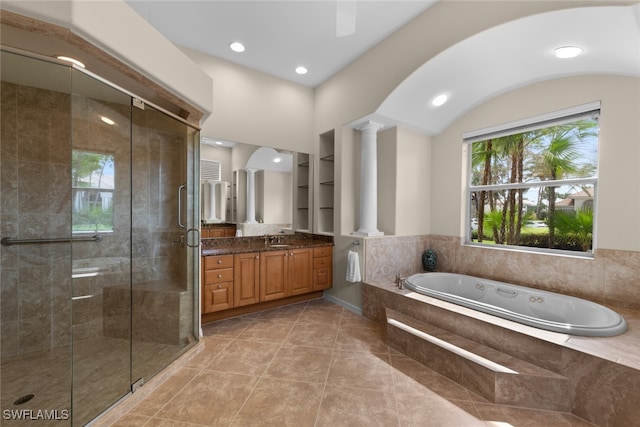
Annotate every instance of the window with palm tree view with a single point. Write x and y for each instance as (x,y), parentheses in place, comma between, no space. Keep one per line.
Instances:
(536,188)
(93,182)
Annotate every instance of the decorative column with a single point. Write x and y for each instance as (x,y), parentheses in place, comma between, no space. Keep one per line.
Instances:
(251,196)
(369,179)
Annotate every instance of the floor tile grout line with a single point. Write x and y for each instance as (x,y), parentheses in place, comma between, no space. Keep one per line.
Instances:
(395,388)
(172,420)
(200,371)
(174,395)
(265,369)
(326,378)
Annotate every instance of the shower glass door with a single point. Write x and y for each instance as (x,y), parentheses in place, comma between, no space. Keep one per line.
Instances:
(98,219)
(35,226)
(100,199)
(164,267)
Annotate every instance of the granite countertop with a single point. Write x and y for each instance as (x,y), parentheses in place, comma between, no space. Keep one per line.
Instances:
(235,245)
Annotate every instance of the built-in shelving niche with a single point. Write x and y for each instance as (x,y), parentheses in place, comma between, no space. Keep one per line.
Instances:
(303,192)
(326,183)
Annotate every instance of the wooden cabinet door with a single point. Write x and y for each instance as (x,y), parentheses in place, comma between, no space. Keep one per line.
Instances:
(217,296)
(300,278)
(246,279)
(274,267)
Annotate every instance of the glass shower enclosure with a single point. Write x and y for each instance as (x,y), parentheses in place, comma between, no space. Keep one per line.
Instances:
(99,257)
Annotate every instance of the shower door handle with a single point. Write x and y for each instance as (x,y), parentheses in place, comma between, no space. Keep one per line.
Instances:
(180,223)
(194,241)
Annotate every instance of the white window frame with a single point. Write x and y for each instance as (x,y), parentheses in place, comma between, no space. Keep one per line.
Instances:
(559,117)
(95,189)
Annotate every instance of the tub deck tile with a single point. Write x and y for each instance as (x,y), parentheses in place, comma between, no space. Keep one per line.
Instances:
(527,385)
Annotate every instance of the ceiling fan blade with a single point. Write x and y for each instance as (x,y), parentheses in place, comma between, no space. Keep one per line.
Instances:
(345,17)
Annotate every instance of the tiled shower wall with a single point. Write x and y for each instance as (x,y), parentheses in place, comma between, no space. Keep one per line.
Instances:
(111,256)
(37,130)
(611,277)
(36,196)
(158,170)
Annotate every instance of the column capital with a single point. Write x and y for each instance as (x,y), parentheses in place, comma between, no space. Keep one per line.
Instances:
(369,125)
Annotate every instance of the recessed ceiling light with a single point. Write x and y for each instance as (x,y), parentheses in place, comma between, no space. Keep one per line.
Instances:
(565,52)
(236,47)
(70,59)
(439,100)
(107,120)
(301,70)
(277,160)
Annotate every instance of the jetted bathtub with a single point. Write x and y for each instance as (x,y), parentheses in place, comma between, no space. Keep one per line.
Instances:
(532,307)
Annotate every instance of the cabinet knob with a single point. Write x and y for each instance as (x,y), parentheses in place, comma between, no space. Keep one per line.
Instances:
(219,276)
(257,256)
(219,286)
(219,261)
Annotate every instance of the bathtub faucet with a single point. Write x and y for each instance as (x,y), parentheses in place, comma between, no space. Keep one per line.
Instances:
(400,281)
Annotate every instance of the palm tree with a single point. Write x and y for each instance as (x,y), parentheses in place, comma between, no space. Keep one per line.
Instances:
(482,154)
(502,160)
(558,158)
(578,225)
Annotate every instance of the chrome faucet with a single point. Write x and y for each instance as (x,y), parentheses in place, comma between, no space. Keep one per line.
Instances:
(400,281)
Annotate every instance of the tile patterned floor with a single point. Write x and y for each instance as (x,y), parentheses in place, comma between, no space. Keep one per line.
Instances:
(316,364)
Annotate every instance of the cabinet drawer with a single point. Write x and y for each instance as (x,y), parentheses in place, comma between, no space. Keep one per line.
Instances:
(218,276)
(322,251)
(324,262)
(218,261)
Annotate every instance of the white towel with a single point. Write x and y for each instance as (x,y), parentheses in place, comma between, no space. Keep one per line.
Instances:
(353,267)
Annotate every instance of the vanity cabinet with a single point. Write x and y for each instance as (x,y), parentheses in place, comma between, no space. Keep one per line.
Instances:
(244,282)
(217,279)
(246,279)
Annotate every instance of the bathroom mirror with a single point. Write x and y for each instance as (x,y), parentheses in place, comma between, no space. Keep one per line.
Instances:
(281,186)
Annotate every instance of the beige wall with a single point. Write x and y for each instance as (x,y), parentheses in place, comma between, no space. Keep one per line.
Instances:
(255,108)
(274,196)
(387,176)
(413,192)
(619,158)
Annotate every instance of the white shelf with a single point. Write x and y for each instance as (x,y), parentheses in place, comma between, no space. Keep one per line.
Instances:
(326,178)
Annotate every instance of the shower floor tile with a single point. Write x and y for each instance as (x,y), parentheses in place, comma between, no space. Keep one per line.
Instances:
(97,382)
